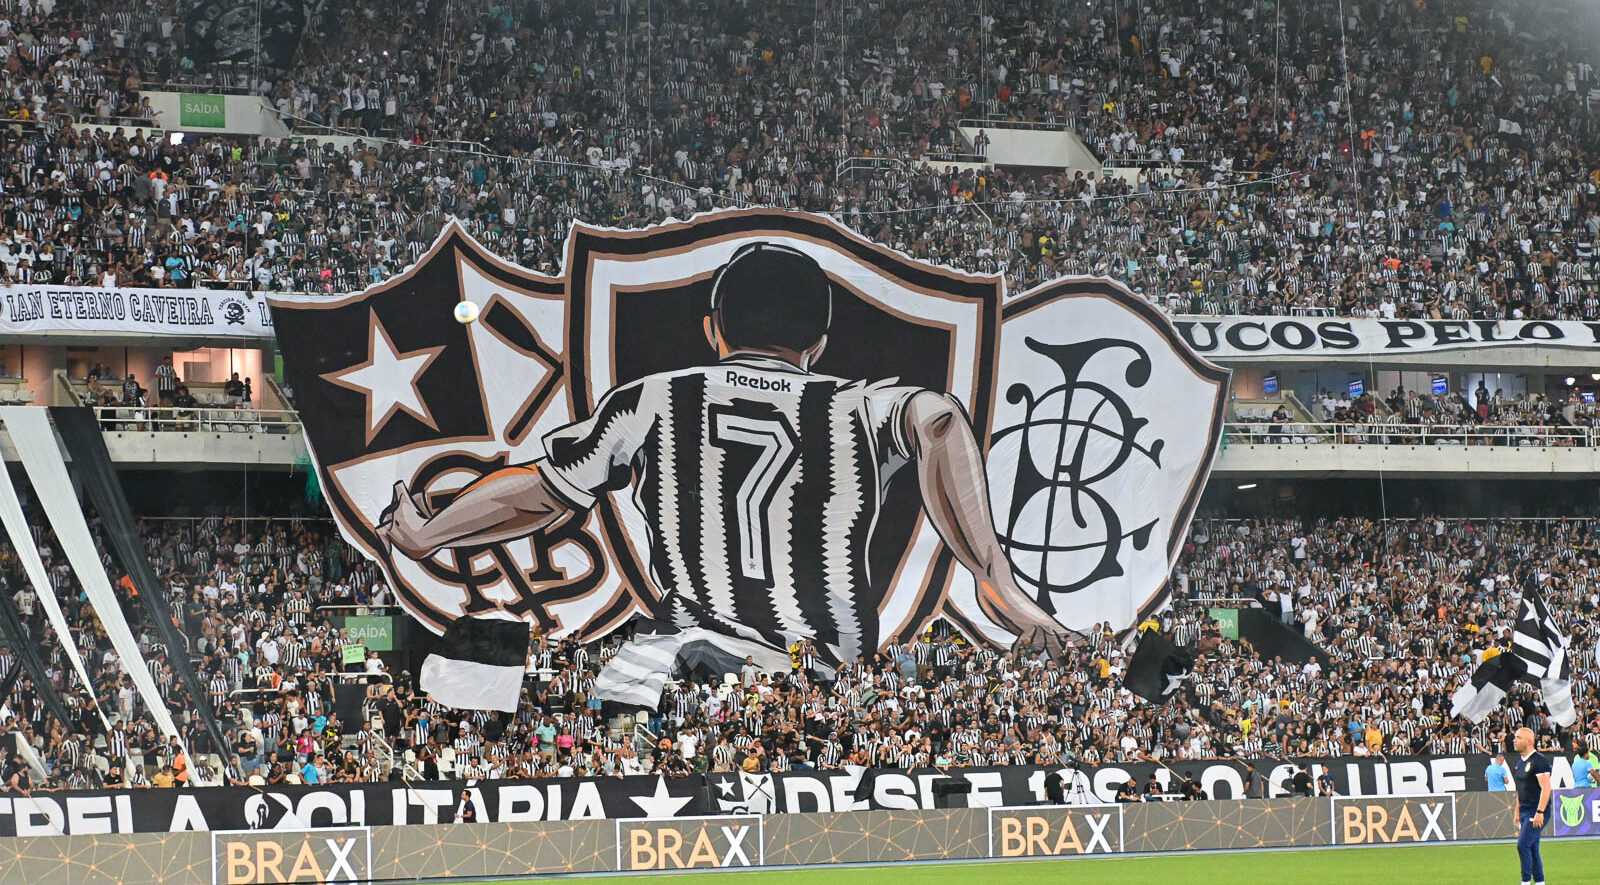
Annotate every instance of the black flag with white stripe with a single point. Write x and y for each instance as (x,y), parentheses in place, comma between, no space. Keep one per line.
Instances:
(1490,684)
(1540,644)
(479,664)
(1537,639)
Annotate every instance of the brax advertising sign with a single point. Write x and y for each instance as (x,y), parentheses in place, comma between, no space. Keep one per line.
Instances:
(540,848)
(1055,832)
(689,843)
(1389,819)
(327,855)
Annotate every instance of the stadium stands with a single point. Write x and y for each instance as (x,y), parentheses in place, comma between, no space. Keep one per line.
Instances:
(1248,172)
(1243,182)
(1400,606)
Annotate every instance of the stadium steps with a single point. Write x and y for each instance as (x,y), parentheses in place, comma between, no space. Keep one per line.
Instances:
(1297,409)
(1016,143)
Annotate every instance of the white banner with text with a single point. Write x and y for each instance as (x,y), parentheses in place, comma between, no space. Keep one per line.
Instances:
(1245,338)
(97,310)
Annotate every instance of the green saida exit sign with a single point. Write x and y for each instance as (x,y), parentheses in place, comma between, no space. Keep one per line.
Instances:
(202,110)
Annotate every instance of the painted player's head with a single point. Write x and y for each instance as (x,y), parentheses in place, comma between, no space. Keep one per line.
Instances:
(771,299)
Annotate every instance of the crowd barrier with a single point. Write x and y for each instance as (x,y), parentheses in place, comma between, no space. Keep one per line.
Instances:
(445,851)
(282,806)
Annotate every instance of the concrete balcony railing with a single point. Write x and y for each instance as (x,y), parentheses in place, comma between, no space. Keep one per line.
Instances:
(275,438)
(219,436)
(1418,450)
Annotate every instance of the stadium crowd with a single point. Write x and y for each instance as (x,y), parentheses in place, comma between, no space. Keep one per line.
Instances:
(1403,610)
(1263,174)
(1412,416)
(1497,409)
(1275,161)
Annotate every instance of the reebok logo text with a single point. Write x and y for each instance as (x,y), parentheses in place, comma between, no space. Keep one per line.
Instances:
(755,382)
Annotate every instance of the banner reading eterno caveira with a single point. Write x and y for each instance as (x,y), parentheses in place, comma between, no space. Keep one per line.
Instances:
(67,310)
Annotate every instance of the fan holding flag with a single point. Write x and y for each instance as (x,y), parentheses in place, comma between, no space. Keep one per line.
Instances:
(1159,667)
(1538,655)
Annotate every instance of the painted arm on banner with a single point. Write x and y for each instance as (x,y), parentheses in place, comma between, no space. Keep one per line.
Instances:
(584,460)
(512,502)
(955,493)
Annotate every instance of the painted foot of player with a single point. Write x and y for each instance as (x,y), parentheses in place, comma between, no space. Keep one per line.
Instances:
(1053,640)
(1015,611)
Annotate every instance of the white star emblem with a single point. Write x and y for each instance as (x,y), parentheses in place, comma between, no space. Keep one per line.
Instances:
(388,379)
(725,787)
(1175,681)
(661,804)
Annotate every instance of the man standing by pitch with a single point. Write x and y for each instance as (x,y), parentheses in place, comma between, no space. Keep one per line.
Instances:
(1531,770)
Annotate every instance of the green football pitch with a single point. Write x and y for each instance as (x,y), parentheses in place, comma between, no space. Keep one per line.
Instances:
(1566,863)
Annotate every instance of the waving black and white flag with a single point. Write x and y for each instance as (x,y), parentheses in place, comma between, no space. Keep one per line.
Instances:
(1159,668)
(1540,648)
(267,32)
(1489,685)
(479,664)
(1539,641)
(1538,656)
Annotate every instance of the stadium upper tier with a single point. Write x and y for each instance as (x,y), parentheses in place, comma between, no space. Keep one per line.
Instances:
(1447,171)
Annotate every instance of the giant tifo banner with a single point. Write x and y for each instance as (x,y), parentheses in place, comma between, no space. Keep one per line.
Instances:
(553,799)
(1238,339)
(733,424)
(91,309)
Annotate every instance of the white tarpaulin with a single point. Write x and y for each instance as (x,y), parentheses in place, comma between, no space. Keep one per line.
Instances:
(35,441)
(16,526)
